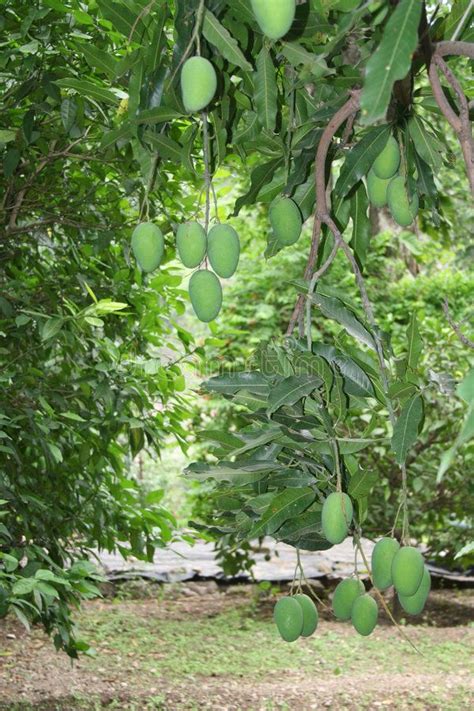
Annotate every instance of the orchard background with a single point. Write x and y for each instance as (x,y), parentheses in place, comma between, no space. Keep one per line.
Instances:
(342,356)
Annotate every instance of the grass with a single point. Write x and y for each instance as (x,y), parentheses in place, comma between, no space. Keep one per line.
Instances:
(231,644)
(183,653)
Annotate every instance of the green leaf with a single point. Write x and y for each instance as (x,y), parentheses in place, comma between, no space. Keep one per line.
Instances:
(51,328)
(361,228)
(335,309)
(120,16)
(116,134)
(24,586)
(97,58)
(6,136)
(405,431)
(158,114)
(266,90)
(68,113)
(290,390)
(238,473)
(285,505)
(391,60)
(360,159)
(165,146)
(356,381)
(361,484)
(426,144)
(89,89)
(260,176)
(415,343)
(257,439)
(220,37)
(231,383)
(465,389)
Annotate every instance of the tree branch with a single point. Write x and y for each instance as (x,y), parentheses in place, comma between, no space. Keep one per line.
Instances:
(347,111)
(455,326)
(459,122)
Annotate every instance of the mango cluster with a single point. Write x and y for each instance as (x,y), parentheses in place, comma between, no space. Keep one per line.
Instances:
(222,247)
(351,602)
(295,616)
(404,568)
(386,186)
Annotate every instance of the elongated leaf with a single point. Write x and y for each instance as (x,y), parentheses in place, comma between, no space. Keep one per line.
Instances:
(335,309)
(89,89)
(361,484)
(119,15)
(238,473)
(255,440)
(426,144)
(360,159)
(356,381)
(391,60)
(97,58)
(220,37)
(415,344)
(286,505)
(290,478)
(116,134)
(266,90)
(165,146)
(308,522)
(159,114)
(231,383)
(406,427)
(260,176)
(361,230)
(290,390)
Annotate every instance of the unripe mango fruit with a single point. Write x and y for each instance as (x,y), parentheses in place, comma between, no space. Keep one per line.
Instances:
(336,517)
(415,603)
(310,614)
(206,295)
(344,597)
(288,616)
(148,246)
(403,211)
(407,571)
(377,189)
(198,83)
(382,559)
(387,162)
(191,243)
(223,249)
(286,220)
(274,17)
(364,614)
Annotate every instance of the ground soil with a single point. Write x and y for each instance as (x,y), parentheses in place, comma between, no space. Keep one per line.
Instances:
(33,676)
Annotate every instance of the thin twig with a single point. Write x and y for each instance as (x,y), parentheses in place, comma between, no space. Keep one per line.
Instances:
(455,326)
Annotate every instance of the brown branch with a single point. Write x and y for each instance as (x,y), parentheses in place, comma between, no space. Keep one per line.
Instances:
(455,326)
(347,111)
(459,122)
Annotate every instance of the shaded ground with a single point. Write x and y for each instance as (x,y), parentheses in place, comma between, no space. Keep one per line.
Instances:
(204,647)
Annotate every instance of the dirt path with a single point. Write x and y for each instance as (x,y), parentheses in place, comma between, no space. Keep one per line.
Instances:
(209,649)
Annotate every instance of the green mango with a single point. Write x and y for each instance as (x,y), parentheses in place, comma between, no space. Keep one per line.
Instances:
(310,614)
(414,604)
(364,614)
(191,243)
(377,189)
(274,17)
(382,558)
(344,596)
(198,83)
(148,246)
(288,616)
(336,517)
(407,570)
(387,162)
(223,249)
(403,210)
(206,295)
(286,220)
